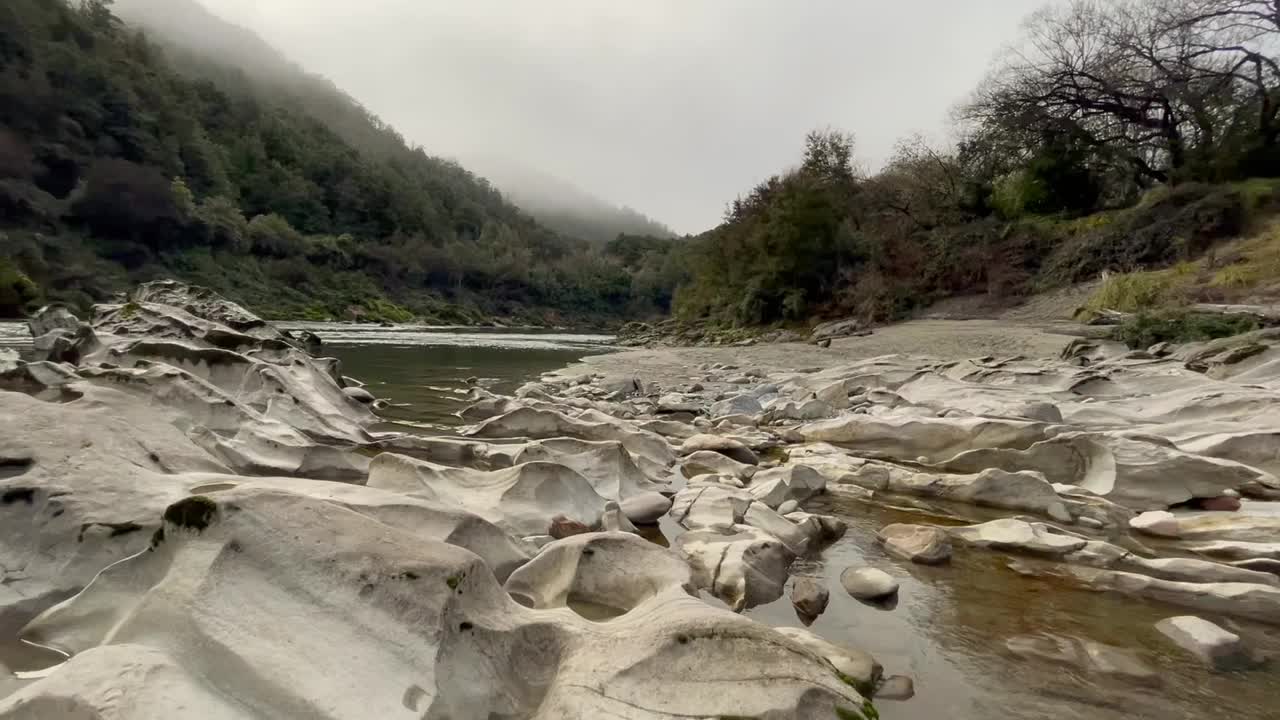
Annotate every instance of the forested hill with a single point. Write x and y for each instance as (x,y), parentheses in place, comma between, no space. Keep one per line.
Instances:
(1114,136)
(200,42)
(122,161)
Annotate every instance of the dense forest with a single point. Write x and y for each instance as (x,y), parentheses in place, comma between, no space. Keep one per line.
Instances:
(123,160)
(1116,135)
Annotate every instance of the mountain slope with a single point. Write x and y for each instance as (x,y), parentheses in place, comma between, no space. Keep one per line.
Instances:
(563,206)
(115,167)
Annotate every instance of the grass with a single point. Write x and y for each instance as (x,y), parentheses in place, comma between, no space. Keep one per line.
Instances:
(1245,270)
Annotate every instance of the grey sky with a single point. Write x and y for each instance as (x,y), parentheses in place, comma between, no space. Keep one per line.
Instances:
(670,106)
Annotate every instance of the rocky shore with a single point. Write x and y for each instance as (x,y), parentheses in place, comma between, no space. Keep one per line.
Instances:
(195,511)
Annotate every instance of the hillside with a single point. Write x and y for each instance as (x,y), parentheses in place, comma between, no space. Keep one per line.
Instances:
(1112,138)
(561,205)
(121,161)
(202,43)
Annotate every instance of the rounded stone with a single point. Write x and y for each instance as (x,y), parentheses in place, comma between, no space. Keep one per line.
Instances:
(868,583)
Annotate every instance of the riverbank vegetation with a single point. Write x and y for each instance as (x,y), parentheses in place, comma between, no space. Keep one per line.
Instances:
(1118,136)
(122,162)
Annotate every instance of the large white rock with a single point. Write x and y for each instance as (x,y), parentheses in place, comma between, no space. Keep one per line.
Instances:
(434,634)
(522,499)
(1012,535)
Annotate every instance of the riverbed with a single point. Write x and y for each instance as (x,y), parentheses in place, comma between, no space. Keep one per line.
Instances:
(949,627)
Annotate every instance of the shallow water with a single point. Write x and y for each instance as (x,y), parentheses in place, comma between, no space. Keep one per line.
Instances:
(423,371)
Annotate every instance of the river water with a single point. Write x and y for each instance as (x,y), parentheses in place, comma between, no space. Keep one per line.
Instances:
(949,627)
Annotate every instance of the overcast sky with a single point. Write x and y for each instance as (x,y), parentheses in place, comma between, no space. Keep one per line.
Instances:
(673,107)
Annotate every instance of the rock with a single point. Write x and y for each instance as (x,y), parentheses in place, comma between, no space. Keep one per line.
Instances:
(789,506)
(835,329)
(1214,646)
(744,404)
(854,666)
(704,462)
(809,597)
(1160,523)
(562,527)
(728,447)
(1084,655)
(1012,535)
(1039,411)
(1222,503)
(824,343)
(742,566)
(775,486)
(1238,550)
(409,607)
(614,520)
(918,543)
(646,508)
(360,395)
(896,687)
(677,404)
(597,568)
(868,583)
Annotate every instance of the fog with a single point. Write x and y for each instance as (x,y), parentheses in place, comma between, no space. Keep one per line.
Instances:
(673,107)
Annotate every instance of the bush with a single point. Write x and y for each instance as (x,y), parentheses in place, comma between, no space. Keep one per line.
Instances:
(1145,329)
(17,292)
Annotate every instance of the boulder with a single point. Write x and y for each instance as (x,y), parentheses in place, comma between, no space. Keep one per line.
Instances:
(1010,535)
(868,583)
(921,544)
(775,486)
(730,448)
(710,462)
(646,508)
(1218,648)
(809,597)
(854,667)
(745,404)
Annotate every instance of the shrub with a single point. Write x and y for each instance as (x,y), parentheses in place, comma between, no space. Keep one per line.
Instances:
(17,291)
(1147,329)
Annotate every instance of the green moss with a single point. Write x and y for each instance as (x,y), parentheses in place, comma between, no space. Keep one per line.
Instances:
(864,688)
(196,513)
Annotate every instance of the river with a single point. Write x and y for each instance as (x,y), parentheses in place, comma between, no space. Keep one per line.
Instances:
(949,627)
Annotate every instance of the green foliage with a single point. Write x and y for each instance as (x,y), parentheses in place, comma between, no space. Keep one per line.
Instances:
(1017,193)
(17,291)
(1130,292)
(265,184)
(1146,329)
